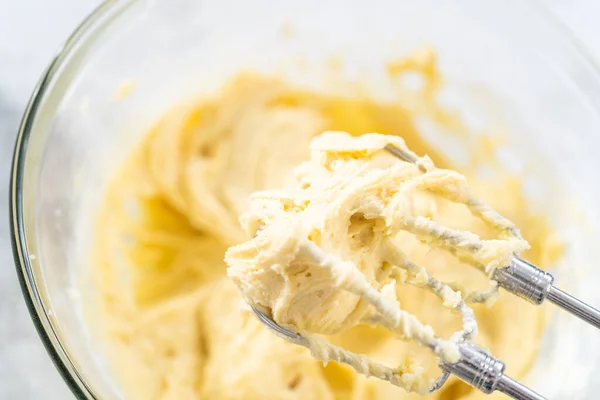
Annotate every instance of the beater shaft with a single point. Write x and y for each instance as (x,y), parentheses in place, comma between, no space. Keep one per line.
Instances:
(576,307)
(536,285)
(515,390)
(485,372)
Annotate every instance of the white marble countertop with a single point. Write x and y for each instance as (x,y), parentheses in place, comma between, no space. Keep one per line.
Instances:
(30,32)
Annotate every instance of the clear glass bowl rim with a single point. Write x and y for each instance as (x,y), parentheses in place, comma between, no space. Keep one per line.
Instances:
(77,383)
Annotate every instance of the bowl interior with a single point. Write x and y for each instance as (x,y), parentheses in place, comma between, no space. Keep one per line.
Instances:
(504,65)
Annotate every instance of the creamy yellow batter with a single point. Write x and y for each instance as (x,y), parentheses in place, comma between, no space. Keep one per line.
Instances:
(170,317)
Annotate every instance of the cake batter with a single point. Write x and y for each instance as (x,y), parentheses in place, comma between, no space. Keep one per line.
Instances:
(173,322)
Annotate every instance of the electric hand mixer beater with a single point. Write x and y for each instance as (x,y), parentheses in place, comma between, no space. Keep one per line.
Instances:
(474,365)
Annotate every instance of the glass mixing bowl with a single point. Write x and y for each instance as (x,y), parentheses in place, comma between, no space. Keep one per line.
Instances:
(502,61)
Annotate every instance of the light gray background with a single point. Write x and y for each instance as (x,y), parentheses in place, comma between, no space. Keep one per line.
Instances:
(30,33)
